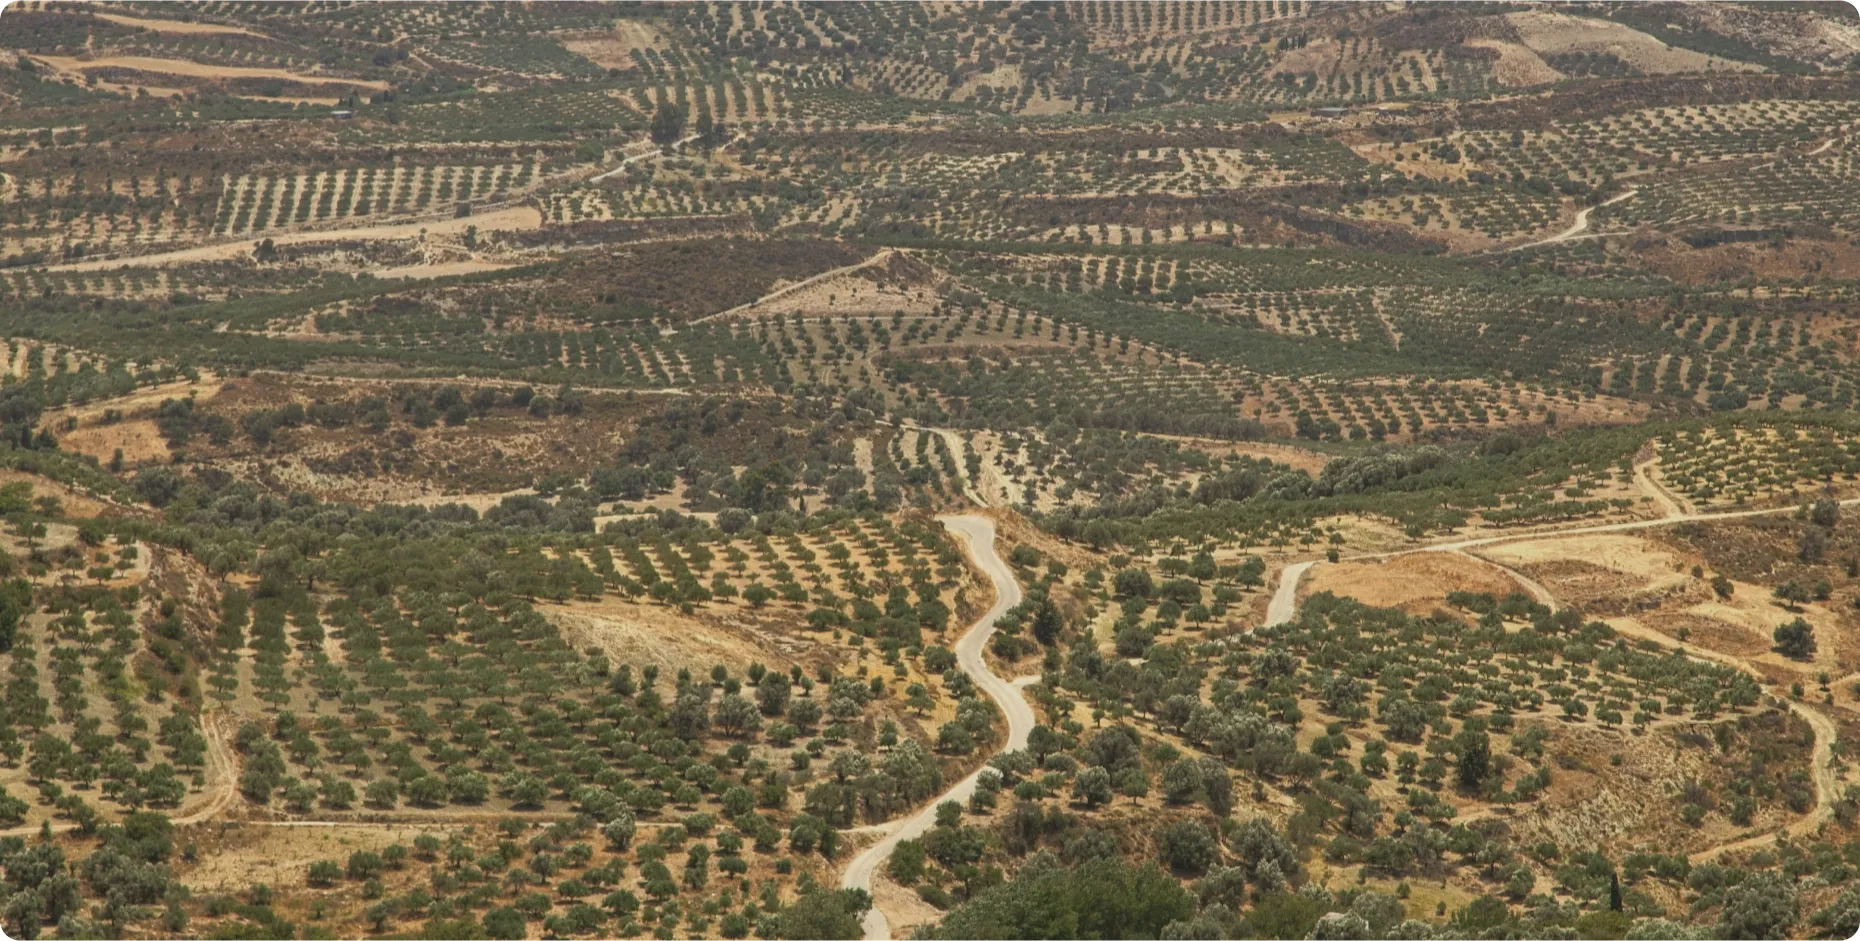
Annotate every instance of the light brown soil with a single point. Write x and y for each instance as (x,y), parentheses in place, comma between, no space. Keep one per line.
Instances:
(1620,574)
(440,269)
(1552,33)
(647,633)
(1745,625)
(1832,40)
(515,218)
(1649,565)
(1517,66)
(194,69)
(1295,457)
(1797,258)
(852,294)
(145,399)
(1416,583)
(1318,57)
(170,26)
(613,49)
(902,907)
(281,857)
(1593,802)
(1707,631)
(71,502)
(140,440)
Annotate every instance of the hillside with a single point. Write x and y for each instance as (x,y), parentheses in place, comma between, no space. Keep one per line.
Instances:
(1210,469)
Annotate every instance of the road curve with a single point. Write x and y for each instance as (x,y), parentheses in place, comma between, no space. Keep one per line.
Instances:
(221,770)
(883,255)
(1578,227)
(980,533)
(508,219)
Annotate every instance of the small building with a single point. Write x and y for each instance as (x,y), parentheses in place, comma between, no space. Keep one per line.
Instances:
(1330,112)
(342,114)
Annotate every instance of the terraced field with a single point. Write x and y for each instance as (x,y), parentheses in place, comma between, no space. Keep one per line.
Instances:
(1216,469)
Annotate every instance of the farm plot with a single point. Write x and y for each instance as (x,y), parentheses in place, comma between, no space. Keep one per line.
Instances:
(255,204)
(1815,191)
(1691,134)
(1734,464)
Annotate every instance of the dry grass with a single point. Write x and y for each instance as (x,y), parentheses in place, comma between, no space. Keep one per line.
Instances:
(644,633)
(1416,583)
(1552,33)
(192,69)
(614,48)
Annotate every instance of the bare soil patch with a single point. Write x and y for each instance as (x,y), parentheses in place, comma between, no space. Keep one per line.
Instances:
(139,440)
(514,218)
(1621,576)
(902,907)
(145,399)
(1416,583)
(614,48)
(643,633)
(193,69)
(1518,66)
(1292,456)
(1827,40)
(1593,802)
(1729,262)
(71,502)
(1553,33)
(1603,570)
(171,26)
(899,285)
(1706,631)
(492,456)
(281,856)
(440,269)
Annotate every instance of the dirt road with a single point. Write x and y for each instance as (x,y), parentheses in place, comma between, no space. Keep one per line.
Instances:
(1284,604)
(979,531)
(221,790)
(1580,226)
(192,69)
(1670,504)
(471,381)
(1629,526)
(1820,762)
(516,218)
(884,254)
(629,161)
(1827,787)
(172,26)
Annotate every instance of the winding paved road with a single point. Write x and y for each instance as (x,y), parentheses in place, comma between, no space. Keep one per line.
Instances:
(980,533)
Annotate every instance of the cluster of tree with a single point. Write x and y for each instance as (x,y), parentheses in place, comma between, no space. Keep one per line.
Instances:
(126,870)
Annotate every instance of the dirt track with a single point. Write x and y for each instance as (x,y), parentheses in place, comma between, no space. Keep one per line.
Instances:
(193,69)
(1284,601)
(516,218)
(883,255)
(222,785)
(171,26)
(1576,229)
